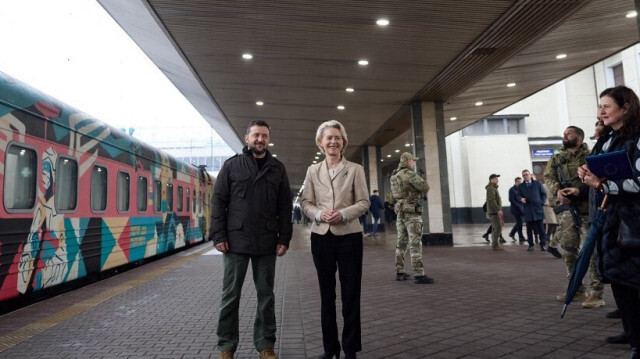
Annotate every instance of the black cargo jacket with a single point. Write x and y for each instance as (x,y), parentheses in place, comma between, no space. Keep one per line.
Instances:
(252,210)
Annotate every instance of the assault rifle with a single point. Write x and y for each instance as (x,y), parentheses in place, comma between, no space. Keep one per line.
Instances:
(571,206)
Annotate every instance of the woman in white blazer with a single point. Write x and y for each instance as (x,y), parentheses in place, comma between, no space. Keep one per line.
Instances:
(335,195)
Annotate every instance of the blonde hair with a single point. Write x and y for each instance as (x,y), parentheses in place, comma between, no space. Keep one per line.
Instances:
(331,124)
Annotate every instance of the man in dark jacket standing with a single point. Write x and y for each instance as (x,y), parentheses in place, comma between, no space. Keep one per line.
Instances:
(517,210)
(376,207)
(251,221)
(533,197)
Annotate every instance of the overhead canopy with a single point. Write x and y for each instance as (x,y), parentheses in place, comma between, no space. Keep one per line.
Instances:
(306,53)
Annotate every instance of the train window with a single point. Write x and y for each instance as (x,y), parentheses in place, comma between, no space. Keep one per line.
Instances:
(194,201)
(169,197)
(180,195)
(124,191)
(157,196)
(187,200)
(66,184)
(20,178)
(142,194)
(99,189)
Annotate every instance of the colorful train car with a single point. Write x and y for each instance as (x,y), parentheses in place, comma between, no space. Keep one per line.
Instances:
(79,197)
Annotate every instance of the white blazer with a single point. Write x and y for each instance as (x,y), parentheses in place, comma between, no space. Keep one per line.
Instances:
(346,190)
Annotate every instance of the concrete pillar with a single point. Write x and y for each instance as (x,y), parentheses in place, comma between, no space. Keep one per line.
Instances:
(428,133)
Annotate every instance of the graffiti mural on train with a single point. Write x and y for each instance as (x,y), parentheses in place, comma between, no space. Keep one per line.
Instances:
(80,197)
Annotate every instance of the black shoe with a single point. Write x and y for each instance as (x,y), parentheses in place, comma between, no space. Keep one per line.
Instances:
(513,238)
(349,355)
(336,353)
(423,279)
(502,240)
(554,252)
(486,237)
(617,339)
(542,248)
(402,276)
(614,314)
(530,249)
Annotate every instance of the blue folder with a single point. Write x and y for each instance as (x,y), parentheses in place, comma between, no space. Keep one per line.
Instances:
(611,165)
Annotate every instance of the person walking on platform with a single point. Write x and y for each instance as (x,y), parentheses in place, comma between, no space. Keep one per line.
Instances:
(532,195)
(335,194)
(550,222)
(251,221)
(376,208)
(494,211)
(561,177)
(409,189)
(517,210)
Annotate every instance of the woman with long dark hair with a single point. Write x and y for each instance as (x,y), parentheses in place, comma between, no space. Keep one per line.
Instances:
(618,250)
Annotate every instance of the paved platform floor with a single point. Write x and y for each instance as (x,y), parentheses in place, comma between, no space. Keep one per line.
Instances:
(484,304)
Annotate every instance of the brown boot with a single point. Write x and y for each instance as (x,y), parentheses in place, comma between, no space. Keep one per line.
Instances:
(593,301)
(225,354)
(267,353)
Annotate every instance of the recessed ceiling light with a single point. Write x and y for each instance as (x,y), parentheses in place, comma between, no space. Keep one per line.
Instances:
(407,145)
(363,62)
(259,103)
(315,162)
(349,89)
(561,56)
(317,158)
(274,155)
(247,56)
(271,144)
(382,160)
(340,107)
(631,14)
(388,156)
(318,153)
(453,118)
(397,151)
(479,103)
(511,84)
(382,22)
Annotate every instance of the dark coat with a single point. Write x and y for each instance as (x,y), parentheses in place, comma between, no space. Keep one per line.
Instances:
(517,208)
(618,258)
(376,206)
(252,210)
(536,198)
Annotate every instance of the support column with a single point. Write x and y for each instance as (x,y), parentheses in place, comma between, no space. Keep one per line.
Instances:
(428,133)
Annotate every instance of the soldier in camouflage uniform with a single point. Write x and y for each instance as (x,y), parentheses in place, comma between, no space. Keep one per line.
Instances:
(494,211)
(561,178)
(408,188)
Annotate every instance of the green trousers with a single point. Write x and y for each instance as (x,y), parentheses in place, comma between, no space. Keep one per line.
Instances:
(264,327)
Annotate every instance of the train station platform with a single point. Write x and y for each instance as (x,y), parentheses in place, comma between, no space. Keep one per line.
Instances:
(484,304)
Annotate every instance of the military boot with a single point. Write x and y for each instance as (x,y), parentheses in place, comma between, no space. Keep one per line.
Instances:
(267,353)
(225,354)
(593,301)
(578,296)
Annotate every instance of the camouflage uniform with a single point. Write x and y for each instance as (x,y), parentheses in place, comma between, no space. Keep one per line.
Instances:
(561,172)
(408,189)
(494,206)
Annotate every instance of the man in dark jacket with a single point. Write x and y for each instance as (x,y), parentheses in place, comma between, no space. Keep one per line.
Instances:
(517,210)
(376,207)
(251,221)
(533,197)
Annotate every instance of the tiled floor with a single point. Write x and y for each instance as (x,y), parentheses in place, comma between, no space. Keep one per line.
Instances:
(484,304)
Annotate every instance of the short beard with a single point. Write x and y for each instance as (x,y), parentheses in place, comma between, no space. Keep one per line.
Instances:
(569,143)
(257,151)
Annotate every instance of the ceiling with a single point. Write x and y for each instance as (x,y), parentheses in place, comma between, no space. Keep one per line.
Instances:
(306,53)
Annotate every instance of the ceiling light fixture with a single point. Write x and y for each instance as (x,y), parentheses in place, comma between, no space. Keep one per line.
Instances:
(511,84)
(382,22)
(363,62)
(340,107)
(247,56)
(271,144)
(274,155)
(453,118)
(259,103)
(407,145)
(561,56)
(631,14)
(397,151)
(349,89)
(479,103)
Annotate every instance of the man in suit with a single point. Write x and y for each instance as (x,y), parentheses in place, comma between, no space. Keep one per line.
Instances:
(533,197)
(517,210)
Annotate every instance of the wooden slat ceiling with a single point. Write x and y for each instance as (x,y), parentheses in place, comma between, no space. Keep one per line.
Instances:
(306,52)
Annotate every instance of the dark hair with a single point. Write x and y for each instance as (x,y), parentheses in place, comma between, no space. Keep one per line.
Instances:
(517,178)
(578,130)
(622,96)
(257,123)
